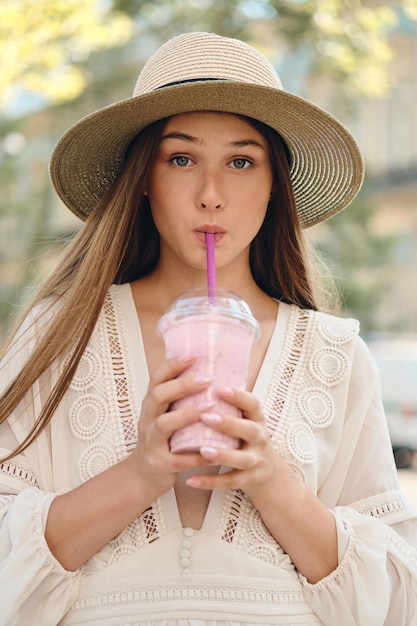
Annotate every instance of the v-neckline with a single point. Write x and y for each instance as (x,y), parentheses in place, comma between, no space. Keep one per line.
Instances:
(137,359)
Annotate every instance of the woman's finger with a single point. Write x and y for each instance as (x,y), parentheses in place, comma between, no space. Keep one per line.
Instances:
(170,368)
(170,382)
(246,401)
(174,420)
(249,431)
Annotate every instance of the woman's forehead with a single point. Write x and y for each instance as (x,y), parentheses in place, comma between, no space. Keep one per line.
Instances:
(212,121)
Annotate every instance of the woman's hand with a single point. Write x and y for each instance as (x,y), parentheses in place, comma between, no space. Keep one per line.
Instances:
(294,515)
(152,462)
(255,466)
(81,521)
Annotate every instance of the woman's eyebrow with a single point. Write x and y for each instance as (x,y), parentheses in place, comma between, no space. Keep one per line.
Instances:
(246,142)
(178,135)
(241,143)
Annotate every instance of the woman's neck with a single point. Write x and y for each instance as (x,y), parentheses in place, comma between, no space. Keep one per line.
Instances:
(163,286)
(154,294)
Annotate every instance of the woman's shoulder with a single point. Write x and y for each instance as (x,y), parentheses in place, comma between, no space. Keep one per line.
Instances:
(326,349)
(36,318)
(329,328)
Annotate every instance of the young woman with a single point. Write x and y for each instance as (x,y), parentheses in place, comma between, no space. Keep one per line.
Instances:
(101,524)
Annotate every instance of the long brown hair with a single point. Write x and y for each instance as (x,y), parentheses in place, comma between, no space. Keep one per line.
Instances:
(119,243)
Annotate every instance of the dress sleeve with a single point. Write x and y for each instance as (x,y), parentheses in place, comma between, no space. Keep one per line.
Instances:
(34,587)
(375,582)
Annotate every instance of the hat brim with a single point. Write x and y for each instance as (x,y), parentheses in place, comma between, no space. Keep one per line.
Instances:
(326,169)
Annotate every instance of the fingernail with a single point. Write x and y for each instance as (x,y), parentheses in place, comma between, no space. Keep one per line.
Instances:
(209,452)
(226,391)
(203,406)
(185,358)
(211,418)
(194,481)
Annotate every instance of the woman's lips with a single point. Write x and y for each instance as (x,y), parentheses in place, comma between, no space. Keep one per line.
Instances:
(217,230)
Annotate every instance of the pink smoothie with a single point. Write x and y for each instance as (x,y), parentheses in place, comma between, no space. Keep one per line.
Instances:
(221,339)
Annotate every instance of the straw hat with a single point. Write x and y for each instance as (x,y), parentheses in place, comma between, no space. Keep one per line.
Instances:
(204,71)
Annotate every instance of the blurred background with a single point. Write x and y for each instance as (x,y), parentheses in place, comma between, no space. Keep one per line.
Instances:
(62,59)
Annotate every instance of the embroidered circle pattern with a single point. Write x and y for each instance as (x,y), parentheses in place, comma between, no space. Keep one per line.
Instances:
(317,407)
(120,552)
(95,460)
(88,371)
(329,366)
(88,417)
(259,529)
(301,442)
(338,330)
(264,553)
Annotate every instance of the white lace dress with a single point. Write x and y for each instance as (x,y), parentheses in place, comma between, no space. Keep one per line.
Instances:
(320,393)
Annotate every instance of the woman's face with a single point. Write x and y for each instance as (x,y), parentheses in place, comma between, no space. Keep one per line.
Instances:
(212,173)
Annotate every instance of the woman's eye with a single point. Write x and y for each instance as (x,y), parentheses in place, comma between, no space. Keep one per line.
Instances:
(182,161)
(241,163)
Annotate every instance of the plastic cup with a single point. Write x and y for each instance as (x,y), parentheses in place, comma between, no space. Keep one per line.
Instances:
(219,332)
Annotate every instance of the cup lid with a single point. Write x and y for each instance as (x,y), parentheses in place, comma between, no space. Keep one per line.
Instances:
(197,301)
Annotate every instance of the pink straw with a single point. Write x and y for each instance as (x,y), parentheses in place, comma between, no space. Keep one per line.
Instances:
(211,267)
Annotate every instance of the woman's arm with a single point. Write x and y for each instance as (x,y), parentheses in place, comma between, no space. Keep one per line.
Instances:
(46,537)
(83,520)
(296,518)
(373,579)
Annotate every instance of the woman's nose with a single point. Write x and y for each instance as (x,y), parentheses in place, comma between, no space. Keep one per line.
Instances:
(211,195)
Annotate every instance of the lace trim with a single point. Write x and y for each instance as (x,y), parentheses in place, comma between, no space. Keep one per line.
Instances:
(88,371)
(299,400)
(19,472)
(282,377)
(329,366)
(149,526)
(127,413)
(96,459)
(242,525)
(338,331)
(190,593)
(386,508)
(104,409)
(104,416)
(88,416)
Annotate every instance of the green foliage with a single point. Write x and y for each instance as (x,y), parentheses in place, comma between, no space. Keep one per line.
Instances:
(347,39)
(344,39)
(46,50)
(54,47)
(45,43)
(358,257)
